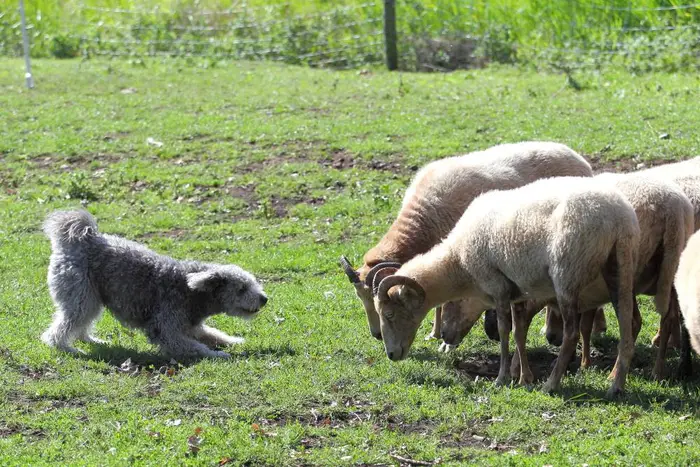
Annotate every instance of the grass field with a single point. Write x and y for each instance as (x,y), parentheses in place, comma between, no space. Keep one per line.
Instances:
(281,170)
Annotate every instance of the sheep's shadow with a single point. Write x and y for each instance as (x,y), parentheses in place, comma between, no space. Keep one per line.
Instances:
(542,359)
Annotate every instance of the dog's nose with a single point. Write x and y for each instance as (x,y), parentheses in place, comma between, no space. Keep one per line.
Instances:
(390,355)
(263,300)
(377,335)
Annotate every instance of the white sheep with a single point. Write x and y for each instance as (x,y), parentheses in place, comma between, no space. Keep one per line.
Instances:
(547,239)
(687,285)
(665,218)
(438,196)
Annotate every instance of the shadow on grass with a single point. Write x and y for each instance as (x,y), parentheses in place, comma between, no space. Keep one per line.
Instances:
(116,355)
(542,360)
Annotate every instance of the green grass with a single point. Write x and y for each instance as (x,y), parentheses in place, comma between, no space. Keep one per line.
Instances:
(641,35)
(281,170)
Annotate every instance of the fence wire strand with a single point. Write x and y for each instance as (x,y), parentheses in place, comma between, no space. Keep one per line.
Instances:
(439,35)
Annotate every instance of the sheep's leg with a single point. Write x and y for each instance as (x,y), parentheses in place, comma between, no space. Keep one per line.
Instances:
(504,325)
(599,324)
(685,365)
(620,286)
(531,309)
(636,326)
(669,318)
(587,320)
(569,313)
(437,324)
(520,328)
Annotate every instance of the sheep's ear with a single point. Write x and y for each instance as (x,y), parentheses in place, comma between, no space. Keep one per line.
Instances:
(402,290)
(408,295)
(204,281)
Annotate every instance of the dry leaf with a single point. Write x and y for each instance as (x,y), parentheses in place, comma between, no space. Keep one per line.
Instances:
(225,460)
(684,417)
(198,430)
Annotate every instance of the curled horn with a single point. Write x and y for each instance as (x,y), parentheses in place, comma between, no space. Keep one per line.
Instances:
(369,280)
(391,281)
(349,270)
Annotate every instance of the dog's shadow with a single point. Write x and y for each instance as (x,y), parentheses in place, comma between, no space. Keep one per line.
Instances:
(116,355)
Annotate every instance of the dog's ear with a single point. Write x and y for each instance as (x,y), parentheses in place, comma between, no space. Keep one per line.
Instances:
(204,281)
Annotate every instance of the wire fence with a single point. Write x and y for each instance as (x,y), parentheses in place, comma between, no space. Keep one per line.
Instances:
(641,35)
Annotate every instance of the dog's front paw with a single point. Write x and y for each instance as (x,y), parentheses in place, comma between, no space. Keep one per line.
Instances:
(93,340)
(234,340)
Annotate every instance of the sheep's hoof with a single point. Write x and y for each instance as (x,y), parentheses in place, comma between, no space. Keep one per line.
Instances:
(446,348)
(526,380)
(655,340)
(550,387)
(501,381)
(614,393)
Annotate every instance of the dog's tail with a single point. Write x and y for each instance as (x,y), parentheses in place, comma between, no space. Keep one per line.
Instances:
(70,227)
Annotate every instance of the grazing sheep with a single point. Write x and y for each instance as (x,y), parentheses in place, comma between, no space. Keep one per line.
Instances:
(440,193)
(687,283)
(686,176)
(548,239)
(665,218)
(666,222)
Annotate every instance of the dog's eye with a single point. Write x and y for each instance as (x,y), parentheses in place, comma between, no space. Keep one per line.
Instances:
(242,289)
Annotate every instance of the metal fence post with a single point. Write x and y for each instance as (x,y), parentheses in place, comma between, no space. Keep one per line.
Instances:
(25,40)
(392,56)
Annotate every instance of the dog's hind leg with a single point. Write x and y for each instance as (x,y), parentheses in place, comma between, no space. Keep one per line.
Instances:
(77,307)
(213,337)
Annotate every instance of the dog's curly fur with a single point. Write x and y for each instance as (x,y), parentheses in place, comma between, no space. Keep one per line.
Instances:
(166,298)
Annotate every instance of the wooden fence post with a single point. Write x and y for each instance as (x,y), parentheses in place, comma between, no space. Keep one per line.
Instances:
(392,56)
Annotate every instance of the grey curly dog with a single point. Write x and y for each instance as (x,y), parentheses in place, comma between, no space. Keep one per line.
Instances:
(166,298)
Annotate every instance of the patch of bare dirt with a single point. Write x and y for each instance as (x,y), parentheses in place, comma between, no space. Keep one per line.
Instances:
(172,233)
(486,366)
(44,372)
(114,136)
(343,160)
(79,161)
(624,165)
(13,429)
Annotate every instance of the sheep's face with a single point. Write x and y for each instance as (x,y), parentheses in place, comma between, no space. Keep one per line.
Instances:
(363,280)
(364,293)
(400,303)
(458,318)
(554,326)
